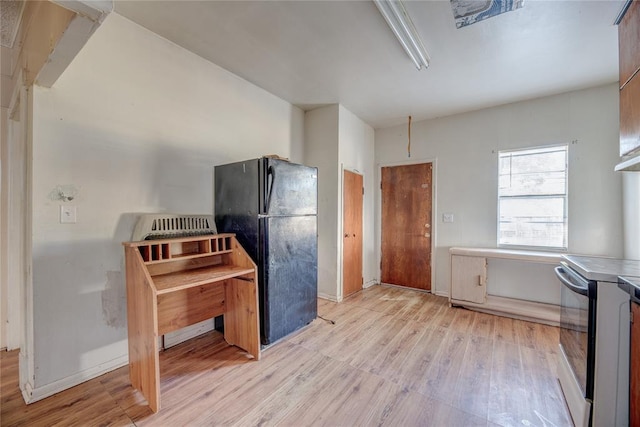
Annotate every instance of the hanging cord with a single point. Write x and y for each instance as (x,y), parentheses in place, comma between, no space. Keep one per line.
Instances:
(409,132)
(327,320)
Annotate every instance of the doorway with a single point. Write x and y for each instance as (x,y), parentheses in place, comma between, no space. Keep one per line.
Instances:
(406,225)
(352,197)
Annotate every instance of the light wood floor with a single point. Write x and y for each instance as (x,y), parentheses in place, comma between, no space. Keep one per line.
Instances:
(385,356)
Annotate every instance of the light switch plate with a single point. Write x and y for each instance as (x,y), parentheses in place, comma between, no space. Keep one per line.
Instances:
(68,214)
(447,217)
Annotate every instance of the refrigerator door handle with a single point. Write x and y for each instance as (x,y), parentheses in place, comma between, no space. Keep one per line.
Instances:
(271,176)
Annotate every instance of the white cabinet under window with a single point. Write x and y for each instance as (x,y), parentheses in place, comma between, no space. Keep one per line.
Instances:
(506,282)
(469,278)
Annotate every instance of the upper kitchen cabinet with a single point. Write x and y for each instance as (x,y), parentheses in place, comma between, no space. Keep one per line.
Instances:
(629,42)
(629,56)
(630,117)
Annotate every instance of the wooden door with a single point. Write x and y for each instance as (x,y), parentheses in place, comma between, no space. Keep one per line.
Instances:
(352,233)
(406,225)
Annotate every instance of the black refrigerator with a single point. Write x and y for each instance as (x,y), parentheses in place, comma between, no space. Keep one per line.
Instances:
(271,205)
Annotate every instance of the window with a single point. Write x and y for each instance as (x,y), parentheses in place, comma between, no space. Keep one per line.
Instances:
(532,197)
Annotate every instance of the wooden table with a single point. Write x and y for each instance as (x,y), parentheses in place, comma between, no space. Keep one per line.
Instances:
(173,283)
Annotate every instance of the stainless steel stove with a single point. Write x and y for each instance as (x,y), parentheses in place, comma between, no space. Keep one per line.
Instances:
(594,345)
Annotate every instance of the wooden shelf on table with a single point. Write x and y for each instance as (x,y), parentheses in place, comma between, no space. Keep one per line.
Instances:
(172,282)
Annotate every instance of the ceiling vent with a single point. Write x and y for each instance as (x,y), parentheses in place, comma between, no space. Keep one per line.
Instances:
(11,14)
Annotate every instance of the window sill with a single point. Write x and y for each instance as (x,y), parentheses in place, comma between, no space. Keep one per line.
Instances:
(515,254)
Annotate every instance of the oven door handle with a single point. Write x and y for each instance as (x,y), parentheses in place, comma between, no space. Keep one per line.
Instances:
(563,276)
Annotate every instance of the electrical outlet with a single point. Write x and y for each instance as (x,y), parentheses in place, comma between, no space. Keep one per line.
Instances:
(447,217)
(68,214)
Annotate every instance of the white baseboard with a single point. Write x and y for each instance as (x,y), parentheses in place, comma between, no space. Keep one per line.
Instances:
(530,311)
(25,386)
(329,297)
(192,331)
(27,392)
(370,284)
(31,394)
(334,298)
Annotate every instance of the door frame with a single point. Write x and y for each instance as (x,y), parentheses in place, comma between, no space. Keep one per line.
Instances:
(15,253)
(19,276)
(434,229)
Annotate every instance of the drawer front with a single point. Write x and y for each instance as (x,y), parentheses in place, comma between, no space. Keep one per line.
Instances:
(630,117)
(629,42)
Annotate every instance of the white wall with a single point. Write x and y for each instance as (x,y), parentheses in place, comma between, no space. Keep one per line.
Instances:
(356,153)
(135,124)
(321,151)
(336,139)
(631,205)
(466,148)
(525,280)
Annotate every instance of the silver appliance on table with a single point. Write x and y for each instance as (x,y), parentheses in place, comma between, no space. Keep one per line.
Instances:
(593,364)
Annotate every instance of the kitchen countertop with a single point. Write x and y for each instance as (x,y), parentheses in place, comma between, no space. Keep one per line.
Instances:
(521,255)
(602,269)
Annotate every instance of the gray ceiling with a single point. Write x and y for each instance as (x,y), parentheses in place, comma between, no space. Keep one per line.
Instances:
(313,53)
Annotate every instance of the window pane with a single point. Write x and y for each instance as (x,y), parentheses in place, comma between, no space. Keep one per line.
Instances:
(532,222)
(524,184)
(541,162)
(532,187)
(533,173)
(550,235)
(532,209)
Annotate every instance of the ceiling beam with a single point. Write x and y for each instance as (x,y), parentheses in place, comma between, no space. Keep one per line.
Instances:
(88,17)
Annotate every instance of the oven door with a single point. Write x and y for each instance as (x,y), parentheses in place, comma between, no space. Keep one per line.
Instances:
(576,362)
(577,326)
